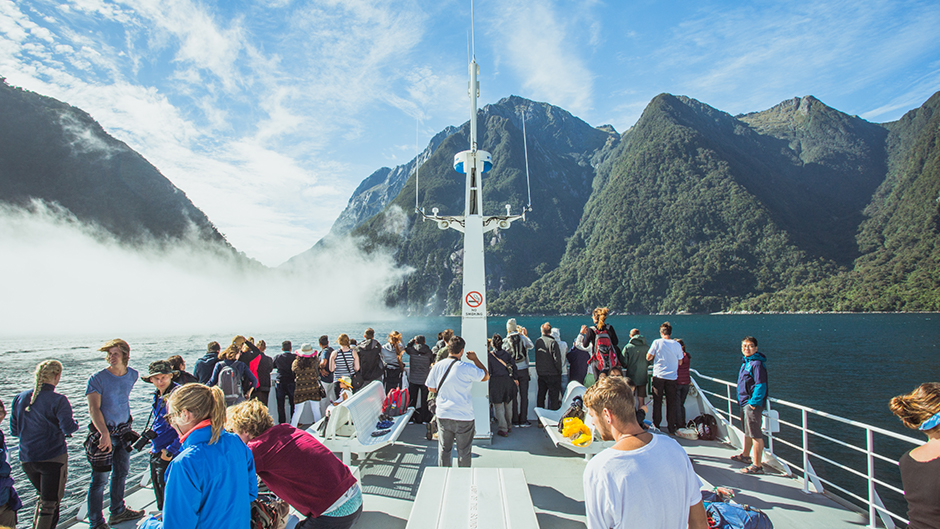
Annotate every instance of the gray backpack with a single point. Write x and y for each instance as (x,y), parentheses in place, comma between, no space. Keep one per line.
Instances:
(231,386)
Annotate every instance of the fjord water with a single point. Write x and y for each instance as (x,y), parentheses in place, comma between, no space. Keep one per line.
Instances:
(845,364)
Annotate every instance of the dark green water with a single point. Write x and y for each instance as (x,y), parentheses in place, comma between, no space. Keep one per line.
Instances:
(845,364)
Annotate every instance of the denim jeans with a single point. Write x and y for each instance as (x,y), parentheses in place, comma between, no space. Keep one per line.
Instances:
(120,466)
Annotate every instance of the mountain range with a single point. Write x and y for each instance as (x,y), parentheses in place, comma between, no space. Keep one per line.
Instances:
(798,207)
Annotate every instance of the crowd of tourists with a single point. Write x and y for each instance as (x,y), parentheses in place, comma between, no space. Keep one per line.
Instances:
(211,437)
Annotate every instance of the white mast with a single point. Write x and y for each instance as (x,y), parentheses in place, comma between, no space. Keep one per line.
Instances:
(473,224)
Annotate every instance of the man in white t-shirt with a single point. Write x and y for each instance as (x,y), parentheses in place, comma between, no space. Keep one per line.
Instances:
(643,480)
(666,355)
(451,379)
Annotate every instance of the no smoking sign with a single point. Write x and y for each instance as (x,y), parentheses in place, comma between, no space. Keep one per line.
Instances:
(474,299)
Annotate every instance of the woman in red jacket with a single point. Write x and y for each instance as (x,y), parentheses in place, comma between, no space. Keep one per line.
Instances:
(286,457)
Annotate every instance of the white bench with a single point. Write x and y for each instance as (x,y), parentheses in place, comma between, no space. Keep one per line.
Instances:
(549,420)
(458,498)
(351,423)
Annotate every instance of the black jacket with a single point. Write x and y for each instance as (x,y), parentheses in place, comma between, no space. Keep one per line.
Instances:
(548,360)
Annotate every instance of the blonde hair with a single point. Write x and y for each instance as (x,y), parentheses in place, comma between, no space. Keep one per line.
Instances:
(614,395)
(45,373)
(203,402)
(343,340)
(601,314)
(250,417)
(394,337)
(917,406)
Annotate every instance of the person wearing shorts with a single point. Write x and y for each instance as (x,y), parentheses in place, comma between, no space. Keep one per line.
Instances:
(752,396)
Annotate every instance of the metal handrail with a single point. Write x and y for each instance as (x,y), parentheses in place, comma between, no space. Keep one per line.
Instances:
(876,508)
(28,496)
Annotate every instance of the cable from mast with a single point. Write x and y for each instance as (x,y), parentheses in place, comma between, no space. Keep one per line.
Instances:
(417,163)
(525,146)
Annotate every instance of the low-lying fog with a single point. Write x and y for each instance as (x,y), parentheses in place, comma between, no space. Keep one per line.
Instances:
(62,277)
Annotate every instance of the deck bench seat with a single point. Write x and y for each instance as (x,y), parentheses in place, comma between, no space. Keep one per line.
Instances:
(463,498)
(549,420)
(351,423)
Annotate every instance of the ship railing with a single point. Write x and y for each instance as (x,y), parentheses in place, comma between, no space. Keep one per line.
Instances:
(70,510)
(873,503)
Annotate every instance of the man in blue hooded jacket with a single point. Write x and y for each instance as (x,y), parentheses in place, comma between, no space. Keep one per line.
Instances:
(752,396)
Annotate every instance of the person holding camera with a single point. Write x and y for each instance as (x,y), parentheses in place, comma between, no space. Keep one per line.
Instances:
(109,442)
(41,419)
(164,441)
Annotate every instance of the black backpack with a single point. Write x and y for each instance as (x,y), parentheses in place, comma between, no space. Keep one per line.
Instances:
(575,410)
(517,349)
(706,425)
(370,360)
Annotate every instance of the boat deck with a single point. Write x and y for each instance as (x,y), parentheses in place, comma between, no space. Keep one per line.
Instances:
(390,479)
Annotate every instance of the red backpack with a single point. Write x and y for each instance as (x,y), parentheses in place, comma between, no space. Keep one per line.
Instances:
(396,402)
(605,354)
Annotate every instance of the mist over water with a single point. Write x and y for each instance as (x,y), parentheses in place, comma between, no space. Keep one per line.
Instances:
(63,277)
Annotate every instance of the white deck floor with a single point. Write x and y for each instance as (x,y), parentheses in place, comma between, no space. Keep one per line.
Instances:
(390,479)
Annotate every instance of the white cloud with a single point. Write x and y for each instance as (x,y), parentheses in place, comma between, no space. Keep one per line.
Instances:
(746,58)
(539,45)
(104,287)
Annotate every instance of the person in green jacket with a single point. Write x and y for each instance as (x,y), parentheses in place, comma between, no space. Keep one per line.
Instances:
(635,364)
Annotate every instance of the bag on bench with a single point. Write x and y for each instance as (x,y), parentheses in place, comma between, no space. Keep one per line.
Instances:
(396,402)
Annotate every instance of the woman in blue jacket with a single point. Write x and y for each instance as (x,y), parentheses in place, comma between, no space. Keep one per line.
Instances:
(41,419)
(165,443)
(212,482)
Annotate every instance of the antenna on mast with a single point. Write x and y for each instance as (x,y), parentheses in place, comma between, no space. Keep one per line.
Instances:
(473,48)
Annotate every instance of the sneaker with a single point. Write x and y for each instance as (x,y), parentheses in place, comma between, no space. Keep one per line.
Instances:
(502,433)
(125,515)
(102,525)
(523,424)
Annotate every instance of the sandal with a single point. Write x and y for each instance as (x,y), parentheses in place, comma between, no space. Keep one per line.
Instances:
(741,458)
(753,469)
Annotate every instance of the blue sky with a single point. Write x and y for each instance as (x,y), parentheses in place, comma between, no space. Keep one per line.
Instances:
(269,113)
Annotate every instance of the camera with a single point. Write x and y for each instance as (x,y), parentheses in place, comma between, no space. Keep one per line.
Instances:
(145,437)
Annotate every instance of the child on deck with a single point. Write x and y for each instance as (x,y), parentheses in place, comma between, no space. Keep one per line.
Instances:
(345,393)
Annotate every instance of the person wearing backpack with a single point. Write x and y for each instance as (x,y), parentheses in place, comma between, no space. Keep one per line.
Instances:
(665,353)
(517,343)
(420,358)
(370,358)
(233,377)
(391,358)
(601,340)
